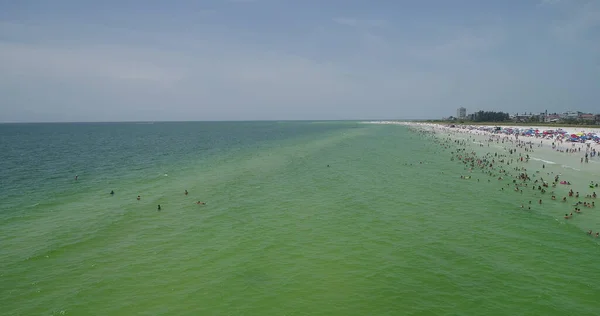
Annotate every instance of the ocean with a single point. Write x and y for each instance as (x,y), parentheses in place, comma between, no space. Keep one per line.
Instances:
(301,218)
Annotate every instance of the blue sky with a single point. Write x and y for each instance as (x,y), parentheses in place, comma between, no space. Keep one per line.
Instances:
(299,60)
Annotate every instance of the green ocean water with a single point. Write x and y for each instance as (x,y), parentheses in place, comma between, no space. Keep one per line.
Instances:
(375,233)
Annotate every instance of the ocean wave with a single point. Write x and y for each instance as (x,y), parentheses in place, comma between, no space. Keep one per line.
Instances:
(544,161)
(569,167)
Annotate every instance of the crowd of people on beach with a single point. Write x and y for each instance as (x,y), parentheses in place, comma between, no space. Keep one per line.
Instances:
(511,165)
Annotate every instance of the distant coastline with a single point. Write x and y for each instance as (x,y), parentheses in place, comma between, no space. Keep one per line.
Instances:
(212,121)
(510,123)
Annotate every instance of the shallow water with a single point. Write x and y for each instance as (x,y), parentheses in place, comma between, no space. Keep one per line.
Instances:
(376,233)
(546,163)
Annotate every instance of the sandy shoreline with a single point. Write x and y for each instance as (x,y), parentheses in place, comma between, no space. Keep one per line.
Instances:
(554,153)
(546,140)
(568,129)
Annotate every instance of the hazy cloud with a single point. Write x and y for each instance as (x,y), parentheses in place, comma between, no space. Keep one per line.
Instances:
(359,22)
(281,60)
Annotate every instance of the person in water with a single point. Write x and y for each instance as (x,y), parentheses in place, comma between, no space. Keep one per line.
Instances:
(200,203)
(112,192)
(139,198)
(186,192)
(159,207)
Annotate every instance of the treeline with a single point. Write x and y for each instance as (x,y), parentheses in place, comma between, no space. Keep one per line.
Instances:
(489,116)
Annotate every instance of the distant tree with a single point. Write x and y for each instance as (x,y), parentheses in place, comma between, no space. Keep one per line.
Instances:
(570,120)
(490,116)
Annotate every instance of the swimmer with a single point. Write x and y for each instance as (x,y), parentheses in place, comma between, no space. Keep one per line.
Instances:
(200,203)
(139,198)
(159,207)
(76,177)
(186,192)
(112,192)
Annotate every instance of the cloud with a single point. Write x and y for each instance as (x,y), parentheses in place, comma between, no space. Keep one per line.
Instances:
(303,65)
(460,45)
(577,20)
(101,62)
(215,78)
(548,2)
(360,22)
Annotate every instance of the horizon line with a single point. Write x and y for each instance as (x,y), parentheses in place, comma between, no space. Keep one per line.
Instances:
(208,121)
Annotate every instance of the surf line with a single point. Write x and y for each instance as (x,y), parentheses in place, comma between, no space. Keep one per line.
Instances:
(569,167)
(544,161)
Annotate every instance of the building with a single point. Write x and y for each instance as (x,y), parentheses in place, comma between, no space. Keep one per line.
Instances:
(551,118)
(524,117)
(461,113)
(570,115)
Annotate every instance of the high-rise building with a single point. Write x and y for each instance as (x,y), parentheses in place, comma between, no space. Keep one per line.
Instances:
(461,113)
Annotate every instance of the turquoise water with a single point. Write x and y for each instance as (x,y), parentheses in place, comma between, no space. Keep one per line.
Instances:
(375,233)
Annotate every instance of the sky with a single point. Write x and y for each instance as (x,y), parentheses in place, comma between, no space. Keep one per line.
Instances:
(183,60)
